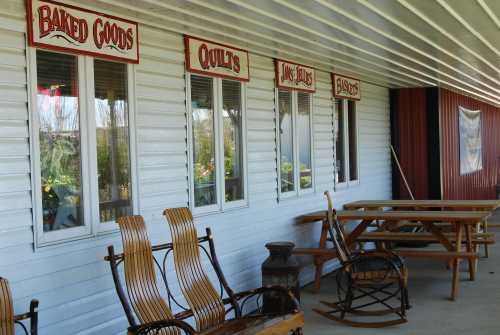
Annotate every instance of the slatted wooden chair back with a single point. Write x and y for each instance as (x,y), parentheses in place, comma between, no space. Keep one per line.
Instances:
(337,237)
(140,276)
(6,309)
(203,299)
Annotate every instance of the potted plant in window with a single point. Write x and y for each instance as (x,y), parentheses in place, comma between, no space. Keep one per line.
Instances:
(59,184)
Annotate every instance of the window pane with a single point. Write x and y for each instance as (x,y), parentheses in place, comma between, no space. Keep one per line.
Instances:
(353,145)
(339,143)
(304,136)
(233,141)
(286,141)
(60,157)
(204,175)
(112,139)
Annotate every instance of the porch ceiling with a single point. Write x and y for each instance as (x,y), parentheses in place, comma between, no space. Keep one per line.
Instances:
(394,43)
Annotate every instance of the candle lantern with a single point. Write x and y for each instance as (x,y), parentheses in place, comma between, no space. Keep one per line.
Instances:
(280,268)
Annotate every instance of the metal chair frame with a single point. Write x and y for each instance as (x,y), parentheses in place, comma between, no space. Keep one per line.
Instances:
(32,314)
(234,302)
(381,285)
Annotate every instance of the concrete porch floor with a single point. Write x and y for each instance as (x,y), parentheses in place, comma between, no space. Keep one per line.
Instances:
(476,310)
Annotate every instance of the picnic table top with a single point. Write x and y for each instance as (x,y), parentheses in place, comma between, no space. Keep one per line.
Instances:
(467,217)
(472,204)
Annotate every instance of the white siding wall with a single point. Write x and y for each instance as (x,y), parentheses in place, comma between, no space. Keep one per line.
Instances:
(72,281)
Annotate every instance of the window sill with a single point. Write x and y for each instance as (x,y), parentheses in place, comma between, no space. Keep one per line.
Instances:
(285,197)
(215,211)
(73,242)
(353,183)
(346,185)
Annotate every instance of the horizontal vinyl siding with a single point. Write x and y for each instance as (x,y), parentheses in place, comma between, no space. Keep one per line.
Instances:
(72,281)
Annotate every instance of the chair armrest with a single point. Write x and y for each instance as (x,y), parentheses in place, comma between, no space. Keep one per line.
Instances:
(276,288)
(155,326)
(386,257)
(32,315)
(185,314)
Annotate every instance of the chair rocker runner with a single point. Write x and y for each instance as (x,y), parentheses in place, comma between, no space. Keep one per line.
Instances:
(8,320)
(149,312)
(366,279)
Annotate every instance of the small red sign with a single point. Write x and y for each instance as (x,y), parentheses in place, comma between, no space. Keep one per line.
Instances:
(215,59)
(295,76)
(346,87)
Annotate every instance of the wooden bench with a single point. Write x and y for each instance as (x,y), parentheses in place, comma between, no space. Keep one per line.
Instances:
(438,254)
(477,238)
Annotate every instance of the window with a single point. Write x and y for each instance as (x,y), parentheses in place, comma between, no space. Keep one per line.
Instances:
(217,144)
(112,140)
(346,142)
(294,142)
(60,141)
(81,145)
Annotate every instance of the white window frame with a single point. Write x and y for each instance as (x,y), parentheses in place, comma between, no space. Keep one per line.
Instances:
(345,111)
(90,195)
(298,191)
(221,205)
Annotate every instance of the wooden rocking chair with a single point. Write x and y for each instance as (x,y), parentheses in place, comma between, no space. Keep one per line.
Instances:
(147,310)
(208,306)
(378,276)
(7,318)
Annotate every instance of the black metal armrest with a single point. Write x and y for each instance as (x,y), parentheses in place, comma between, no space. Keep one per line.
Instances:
(283,291)
(155,326)
(32,315)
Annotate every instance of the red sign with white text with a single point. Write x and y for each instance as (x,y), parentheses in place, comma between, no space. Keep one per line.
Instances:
(295,76)
(56,26)
(346,87)
(219,60)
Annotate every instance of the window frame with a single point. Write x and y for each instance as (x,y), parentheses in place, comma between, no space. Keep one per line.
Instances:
(298,191)
(347,172)
(220,205)
(92,226)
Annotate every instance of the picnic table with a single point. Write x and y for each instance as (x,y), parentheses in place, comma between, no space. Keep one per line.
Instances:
(472,205)
(463,221)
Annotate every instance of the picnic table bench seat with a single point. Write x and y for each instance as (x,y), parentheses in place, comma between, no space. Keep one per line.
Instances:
(383,236)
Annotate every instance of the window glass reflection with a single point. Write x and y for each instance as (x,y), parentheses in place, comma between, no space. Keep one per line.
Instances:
(112,140)
(286,141)
(204,174)
(59,136)
(233,141)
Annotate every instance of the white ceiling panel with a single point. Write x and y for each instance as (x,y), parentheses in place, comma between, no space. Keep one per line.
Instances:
(394,43)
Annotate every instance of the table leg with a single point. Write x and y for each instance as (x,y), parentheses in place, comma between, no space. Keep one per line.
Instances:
(485,230)
(456,262)
(470,248)
(319,260)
